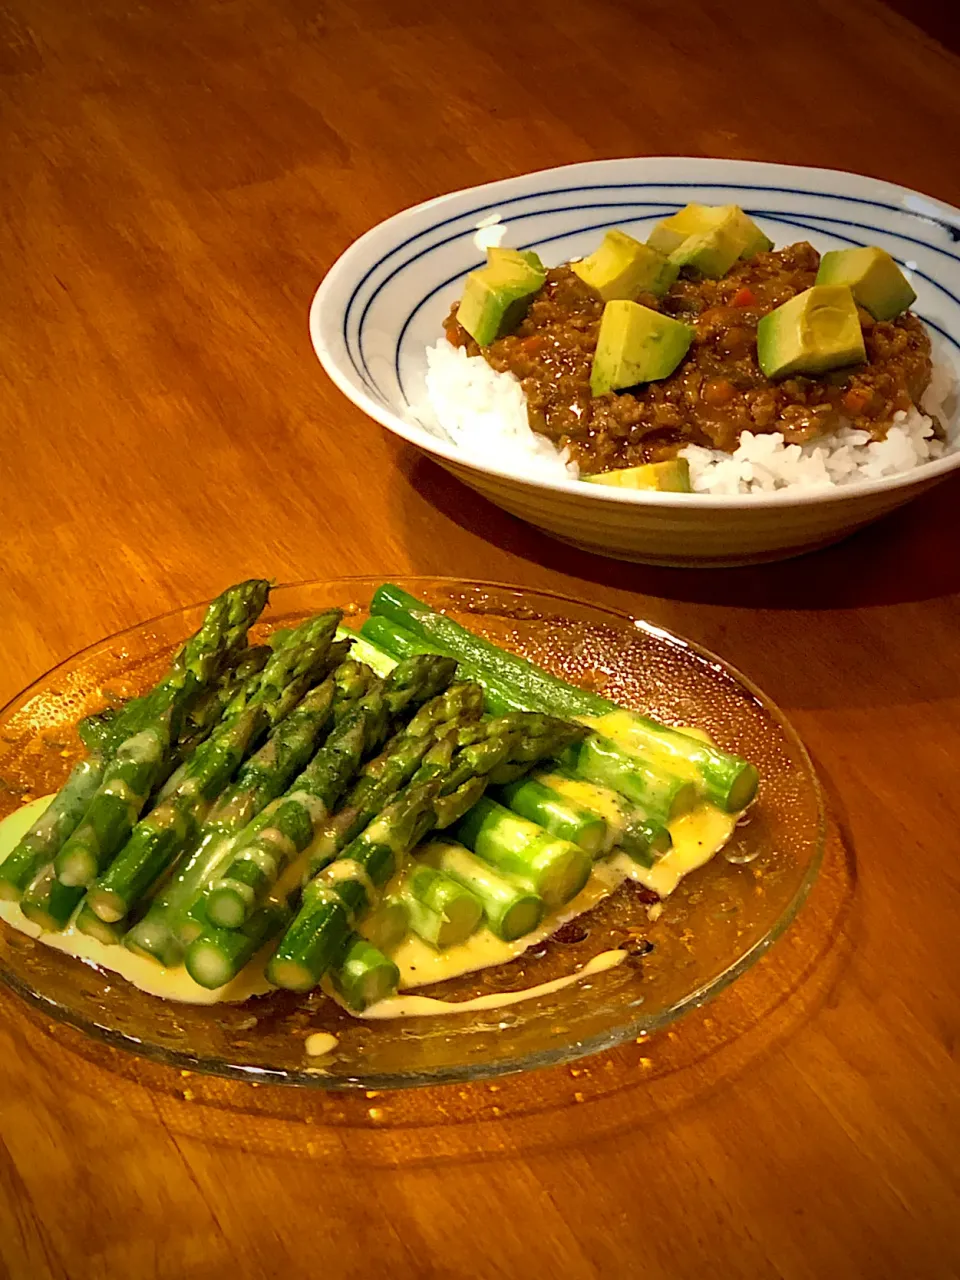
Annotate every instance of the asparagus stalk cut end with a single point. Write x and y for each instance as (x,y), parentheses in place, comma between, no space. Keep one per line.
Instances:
(364,975)
(442,911)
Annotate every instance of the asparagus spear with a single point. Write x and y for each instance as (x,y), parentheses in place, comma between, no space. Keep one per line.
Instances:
(95,730)
(161,835)
(212,957)
(645,840)
(403,755)
(388,924)
(337,898)
(352,679)
(363,975)
(358,733)
(47,902)
(140,758)
(441,910)
(218,955)
(266,774)
(260,780)
(510,911)
(340,895)
(554,869)
(727,780)
(206,712)
(89,922)
(265,699)
(661,795)
(111,814)
(217,641)
(544,805)
(39,846)
(293,822)
(644,779)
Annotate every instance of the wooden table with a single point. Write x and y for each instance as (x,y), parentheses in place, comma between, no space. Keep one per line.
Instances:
(175,179)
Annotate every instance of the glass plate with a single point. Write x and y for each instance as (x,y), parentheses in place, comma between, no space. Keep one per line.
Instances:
(718,922)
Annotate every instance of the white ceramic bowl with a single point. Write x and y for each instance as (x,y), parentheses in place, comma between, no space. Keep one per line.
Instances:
(384,300)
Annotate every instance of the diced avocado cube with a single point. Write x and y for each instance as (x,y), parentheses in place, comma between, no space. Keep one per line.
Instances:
(496,297)
(636,344)
(712,252)
(875,280)
(698,219)
(672,476)
(518,258)
(623,267)
(691,220)
(817,330)
(753,239)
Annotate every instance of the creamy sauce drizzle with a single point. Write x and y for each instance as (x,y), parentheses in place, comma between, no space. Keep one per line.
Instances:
(419,1006)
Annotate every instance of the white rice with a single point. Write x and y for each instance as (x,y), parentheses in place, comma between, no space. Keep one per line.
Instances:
(484,413)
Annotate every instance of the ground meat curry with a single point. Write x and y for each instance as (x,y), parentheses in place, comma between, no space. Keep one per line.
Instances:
(718,390)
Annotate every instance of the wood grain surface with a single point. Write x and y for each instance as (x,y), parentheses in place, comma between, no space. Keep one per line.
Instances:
(175,177)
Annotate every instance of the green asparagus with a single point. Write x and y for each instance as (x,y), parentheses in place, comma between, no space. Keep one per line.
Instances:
(554,869)
(264,776)
(336,899)
(292,823)
(41,843)
(387,925)
(509,911)
(363,975)
(644,778)
(159,837)
(544,805)
(49,903)
(218,955)
(88,922)
(441,910)
(727,780)
(264,700)
(644,839)
(142,756)
(411,749)
(220,638)
(661,795)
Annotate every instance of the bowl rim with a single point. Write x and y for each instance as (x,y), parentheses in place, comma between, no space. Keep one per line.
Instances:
(421,438)
(305,1077)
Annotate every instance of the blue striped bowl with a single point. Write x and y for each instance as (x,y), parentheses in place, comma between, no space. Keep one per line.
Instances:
(383,301)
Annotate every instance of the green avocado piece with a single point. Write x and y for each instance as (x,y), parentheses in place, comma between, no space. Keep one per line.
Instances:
(817,330)
(875,280)
(691,220)
(496,297)
(698,219)
(671,476)
(712,252)
(515,258)
(754,240)
(636,344)
(623,267)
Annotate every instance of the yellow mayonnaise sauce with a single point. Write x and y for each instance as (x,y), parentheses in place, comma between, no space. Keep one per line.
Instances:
(420,1006)
(697,836)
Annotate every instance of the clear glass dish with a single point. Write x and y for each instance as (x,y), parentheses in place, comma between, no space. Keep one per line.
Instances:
(716,925)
